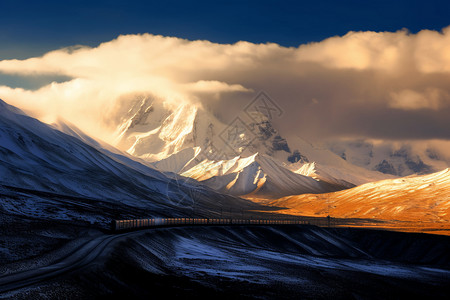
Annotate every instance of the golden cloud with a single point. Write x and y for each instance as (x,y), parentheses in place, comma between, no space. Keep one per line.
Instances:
(355,79)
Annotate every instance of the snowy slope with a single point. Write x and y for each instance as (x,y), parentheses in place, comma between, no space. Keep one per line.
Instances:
(123,157)
(424,198)
(179,161)
(38,157)
(330,174)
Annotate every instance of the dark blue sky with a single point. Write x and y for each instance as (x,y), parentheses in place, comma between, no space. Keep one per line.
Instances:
(29,28)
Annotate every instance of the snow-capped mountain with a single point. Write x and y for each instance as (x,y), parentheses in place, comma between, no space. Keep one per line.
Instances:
(38,157)
(245,156)
(424,198)
(400,159)
(153,129)
(258,176)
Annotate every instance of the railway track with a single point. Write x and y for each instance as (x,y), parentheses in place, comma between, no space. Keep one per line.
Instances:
(121,225)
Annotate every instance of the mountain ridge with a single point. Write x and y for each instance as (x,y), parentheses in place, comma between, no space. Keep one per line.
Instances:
(420,199)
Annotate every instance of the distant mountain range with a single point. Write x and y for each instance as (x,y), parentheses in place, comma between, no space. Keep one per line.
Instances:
(399,159)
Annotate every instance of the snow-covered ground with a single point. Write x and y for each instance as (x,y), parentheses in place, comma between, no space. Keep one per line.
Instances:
(290,259)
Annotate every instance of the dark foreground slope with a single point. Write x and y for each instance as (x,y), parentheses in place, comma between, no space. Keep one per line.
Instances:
(264,262)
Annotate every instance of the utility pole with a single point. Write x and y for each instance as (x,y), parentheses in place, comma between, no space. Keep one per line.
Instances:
(328,212)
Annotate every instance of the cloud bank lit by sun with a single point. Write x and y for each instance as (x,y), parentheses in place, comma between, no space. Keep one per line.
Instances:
(386,85)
